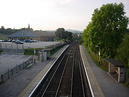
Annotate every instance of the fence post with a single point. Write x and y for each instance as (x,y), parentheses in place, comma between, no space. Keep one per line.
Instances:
(8,74)
(2,78)
(12,72)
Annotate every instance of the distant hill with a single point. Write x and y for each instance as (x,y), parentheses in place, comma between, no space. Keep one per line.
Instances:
(74,31)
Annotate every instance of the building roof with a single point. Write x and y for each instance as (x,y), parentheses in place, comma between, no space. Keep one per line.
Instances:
(115,62)
(23,33)
(45,33)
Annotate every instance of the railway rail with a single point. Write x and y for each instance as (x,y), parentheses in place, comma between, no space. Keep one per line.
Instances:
(67,78)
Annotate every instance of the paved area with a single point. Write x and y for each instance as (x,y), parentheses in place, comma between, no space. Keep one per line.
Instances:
(7,62)
(15,85)
(37,79)
(11,45)
(26,78)
(108,86)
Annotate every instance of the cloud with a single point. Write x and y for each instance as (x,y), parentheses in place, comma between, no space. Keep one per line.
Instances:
(63,2)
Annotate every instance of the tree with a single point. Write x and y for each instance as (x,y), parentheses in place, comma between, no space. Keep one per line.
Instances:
(123,51)
(106,29)
(68,36)
(61,34)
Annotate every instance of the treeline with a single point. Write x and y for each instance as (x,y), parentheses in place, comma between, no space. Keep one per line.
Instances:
(8,31)
(67,36)
(107,34)
(63,35)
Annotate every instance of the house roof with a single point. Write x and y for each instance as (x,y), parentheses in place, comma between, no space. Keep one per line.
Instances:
(23,33)
(115,62)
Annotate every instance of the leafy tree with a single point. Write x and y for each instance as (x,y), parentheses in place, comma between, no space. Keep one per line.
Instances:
(86,36)
(106,29)
(123,51)
(61,34)
(78,37)
(68,36)
(7,31)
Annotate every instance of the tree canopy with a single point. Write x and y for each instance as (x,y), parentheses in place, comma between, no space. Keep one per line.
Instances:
(123,51)
(106,29)
(61,34)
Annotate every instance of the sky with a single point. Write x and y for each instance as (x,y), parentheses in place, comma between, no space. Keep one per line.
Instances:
(51,14)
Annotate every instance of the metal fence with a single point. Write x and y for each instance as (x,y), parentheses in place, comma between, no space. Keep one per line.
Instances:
(12,72)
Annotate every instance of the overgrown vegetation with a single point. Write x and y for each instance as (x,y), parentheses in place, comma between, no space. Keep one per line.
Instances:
(66,36)
(54,50)
(106,36)
(99,61)
(123,56)
(3,37)
(30,51)
(123,51)
(106,30)
(1,51)
(8,31)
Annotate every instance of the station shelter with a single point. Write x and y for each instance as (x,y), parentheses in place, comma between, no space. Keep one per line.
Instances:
(116,69)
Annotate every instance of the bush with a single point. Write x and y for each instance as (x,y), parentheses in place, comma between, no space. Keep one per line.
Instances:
(30,51)
(99,61)
(105,31)
(55,49)
(1,51)
(123,51)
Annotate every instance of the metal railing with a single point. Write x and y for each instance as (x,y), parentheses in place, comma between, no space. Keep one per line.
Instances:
(12,72)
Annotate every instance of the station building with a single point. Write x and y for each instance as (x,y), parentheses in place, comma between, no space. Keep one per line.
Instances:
(23,34)
(45,35)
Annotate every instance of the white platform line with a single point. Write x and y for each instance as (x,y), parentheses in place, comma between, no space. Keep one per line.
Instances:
(46,73)
(92,93)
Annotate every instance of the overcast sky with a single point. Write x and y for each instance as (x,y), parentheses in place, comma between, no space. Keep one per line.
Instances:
(51,14)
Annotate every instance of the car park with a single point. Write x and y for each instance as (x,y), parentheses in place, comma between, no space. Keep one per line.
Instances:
(18,42)
(1,40)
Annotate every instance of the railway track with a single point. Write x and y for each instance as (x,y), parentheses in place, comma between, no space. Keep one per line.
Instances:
(67,78)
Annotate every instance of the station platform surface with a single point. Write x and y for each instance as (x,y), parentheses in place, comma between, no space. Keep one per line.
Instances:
(36,80)
(101,84)
(13,61)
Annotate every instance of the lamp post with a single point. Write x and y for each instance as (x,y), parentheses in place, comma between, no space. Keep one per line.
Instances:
(34,55)
(98,52)
(99,55)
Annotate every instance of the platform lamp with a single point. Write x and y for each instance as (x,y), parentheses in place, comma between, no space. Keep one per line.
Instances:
(98,46)
(34,55)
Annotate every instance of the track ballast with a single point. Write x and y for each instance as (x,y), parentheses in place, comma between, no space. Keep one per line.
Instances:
(67,77)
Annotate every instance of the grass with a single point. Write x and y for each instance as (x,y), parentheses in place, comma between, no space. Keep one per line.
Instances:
(99,61)
(3,37)
(1,51)
(54,50)
(127,80)
(30,51)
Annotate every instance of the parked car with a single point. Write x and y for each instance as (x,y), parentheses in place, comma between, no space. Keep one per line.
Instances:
(5,41)
(28,41)
(19,42)
(1,40)
(34,40)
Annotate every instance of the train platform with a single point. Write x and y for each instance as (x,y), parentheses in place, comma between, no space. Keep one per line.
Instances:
(101,84)
(37,79)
